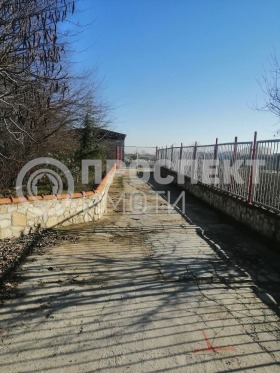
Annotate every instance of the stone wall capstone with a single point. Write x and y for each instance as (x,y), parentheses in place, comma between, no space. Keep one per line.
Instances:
(20,216)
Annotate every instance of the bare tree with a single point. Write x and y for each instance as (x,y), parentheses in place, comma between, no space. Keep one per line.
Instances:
(270,86)
(40,101)
(33,79)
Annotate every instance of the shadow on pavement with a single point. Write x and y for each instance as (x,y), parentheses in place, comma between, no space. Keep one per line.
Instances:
(244,248)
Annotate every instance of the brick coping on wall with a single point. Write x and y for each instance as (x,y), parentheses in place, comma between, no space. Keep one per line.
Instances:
(98,190)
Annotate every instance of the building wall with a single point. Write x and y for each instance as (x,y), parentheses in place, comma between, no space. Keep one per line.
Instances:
(111,148)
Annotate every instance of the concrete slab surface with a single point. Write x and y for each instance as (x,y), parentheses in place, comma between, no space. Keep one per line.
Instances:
(141,291)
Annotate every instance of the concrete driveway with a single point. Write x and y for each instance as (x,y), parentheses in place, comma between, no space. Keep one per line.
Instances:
(141,291)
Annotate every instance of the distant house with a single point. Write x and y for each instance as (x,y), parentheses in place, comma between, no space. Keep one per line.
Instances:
(114,143)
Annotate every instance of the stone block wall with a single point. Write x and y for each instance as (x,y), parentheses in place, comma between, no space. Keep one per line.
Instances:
(23,215)
(255,217)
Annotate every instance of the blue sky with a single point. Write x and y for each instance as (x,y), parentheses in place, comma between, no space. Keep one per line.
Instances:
(181,70)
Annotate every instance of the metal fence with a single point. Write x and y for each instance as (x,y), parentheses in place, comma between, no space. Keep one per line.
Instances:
(137,154)
(249,170)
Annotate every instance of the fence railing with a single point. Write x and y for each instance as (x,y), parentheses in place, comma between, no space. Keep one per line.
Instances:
(249,170)
(137,154)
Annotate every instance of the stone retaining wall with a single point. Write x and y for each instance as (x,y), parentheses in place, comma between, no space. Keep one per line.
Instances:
(255,217)
(23,215)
